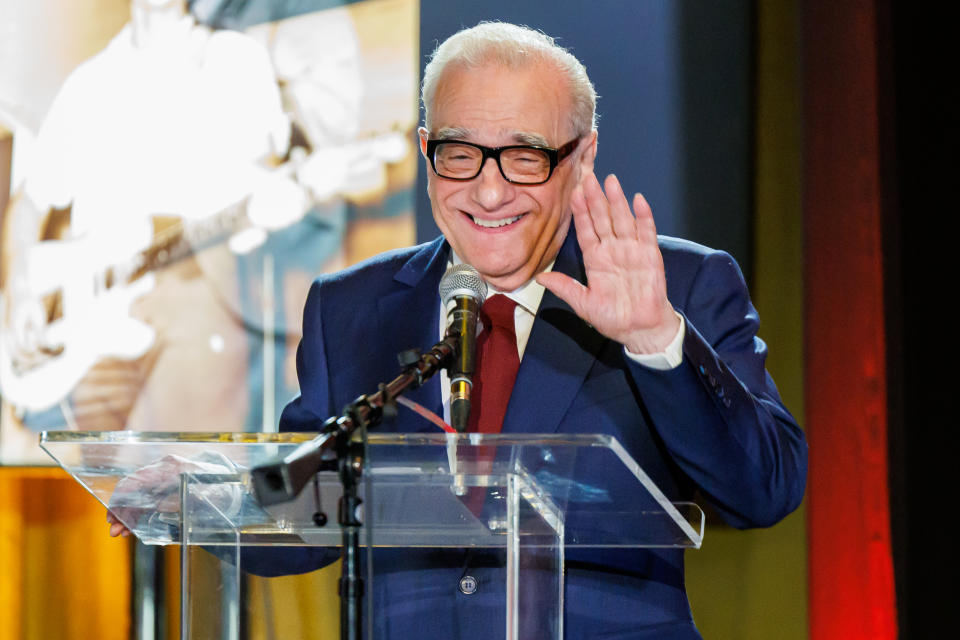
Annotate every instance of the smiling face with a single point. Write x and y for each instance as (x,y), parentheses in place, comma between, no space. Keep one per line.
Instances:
(509,232)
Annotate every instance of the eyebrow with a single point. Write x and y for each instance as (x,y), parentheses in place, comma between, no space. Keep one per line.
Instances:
(453,133)
(520,137)
(531,138)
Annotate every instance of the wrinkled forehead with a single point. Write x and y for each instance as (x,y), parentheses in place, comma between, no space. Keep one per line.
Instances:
(506,105)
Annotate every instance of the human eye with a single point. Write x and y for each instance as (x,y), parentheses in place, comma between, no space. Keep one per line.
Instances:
(455,159)
(525,160)
(457,152)
(459,155)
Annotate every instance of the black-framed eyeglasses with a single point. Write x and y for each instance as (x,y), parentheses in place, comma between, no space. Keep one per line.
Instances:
(518,163)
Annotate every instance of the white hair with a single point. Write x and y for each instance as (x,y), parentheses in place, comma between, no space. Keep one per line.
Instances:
(511,47)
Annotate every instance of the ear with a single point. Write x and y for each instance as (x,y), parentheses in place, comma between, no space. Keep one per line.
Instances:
(589,152)
(423,134)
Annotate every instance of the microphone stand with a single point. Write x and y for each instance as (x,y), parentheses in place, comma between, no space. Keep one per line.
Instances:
(283,481)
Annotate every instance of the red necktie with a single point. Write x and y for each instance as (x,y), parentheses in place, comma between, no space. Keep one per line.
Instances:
(496,365)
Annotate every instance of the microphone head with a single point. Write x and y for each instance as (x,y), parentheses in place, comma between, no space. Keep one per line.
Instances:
(462,280)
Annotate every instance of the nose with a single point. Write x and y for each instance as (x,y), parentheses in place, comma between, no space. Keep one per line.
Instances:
(489,189)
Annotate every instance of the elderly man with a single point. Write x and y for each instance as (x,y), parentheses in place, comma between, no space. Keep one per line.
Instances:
(650,340)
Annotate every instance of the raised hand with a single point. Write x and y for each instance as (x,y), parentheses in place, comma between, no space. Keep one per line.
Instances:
(626,294)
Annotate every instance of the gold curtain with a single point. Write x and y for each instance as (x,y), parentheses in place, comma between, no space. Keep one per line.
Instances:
(62,576)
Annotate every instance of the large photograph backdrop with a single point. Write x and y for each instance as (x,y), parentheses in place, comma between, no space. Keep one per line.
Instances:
(179,175)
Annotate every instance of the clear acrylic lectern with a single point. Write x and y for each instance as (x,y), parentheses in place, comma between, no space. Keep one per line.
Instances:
(523,501)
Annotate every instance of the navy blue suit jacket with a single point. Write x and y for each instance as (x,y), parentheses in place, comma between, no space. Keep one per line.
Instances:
(715,423)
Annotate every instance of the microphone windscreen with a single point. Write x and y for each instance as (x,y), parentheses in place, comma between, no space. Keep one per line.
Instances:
(462,280)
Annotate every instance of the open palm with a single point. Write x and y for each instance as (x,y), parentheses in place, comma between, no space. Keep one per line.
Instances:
(625,297)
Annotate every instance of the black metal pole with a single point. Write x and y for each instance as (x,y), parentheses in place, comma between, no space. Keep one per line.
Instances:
(351,582)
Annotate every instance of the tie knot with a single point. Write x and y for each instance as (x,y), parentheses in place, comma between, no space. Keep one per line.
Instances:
(498,309)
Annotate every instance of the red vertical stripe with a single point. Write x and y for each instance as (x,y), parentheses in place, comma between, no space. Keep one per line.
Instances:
(851,568)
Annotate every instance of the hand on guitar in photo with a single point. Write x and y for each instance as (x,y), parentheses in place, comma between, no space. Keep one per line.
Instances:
(66,304)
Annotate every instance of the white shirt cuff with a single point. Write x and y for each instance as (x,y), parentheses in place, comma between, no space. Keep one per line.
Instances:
(669,358)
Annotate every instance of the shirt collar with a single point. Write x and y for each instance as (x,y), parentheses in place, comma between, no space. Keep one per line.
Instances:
(528,295)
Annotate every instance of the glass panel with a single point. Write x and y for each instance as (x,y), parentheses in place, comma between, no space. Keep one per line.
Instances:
(210,591)
(605,498)
(485,521)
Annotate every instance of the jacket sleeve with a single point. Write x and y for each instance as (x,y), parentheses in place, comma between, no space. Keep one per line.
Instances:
(308,411)
(718,412)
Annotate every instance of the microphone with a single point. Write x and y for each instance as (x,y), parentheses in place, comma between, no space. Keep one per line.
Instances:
(462,290)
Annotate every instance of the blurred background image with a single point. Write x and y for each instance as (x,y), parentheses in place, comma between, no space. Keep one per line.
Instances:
(180,173)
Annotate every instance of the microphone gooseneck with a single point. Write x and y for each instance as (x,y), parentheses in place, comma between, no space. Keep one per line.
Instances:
(462,291)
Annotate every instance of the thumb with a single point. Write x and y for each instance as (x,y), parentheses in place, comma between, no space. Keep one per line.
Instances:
(567,289)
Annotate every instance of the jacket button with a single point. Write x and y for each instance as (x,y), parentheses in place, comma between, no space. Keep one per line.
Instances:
(468,585)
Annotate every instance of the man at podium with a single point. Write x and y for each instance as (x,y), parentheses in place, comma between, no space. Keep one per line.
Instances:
(649,339)
(593,321)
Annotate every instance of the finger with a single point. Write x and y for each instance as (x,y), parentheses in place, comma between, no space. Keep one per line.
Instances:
(565,288)
(621,217)
(117,528)
(646,229)
(586,234)
(598,207)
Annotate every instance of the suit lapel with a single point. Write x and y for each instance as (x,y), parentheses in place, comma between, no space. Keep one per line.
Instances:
(408,318)
(559,354)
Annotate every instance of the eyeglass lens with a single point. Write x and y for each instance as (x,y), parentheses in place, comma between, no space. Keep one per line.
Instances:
(455,160)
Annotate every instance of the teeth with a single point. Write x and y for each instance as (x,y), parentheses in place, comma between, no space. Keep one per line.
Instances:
(493,224)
